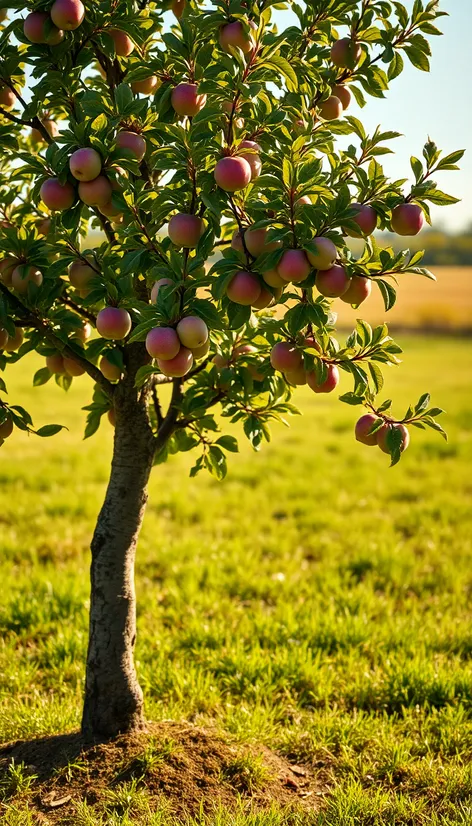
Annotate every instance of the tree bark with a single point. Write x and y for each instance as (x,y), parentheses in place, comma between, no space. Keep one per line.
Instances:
(113,698)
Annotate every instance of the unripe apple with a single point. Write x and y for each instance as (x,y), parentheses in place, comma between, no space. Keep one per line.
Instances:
(38,28)
(359,289)
(72,368)
(325,255)
(57,196)
(407,219)
(201,352)
(363,426)
(252,156)
(186,100)
(382,434)
(285,357)
(331,108)
(294,266)
(3,338)
(67,14)
(244,288)
(55,364)
(14,342)
(234,35)
(297,376)
(273,279)
(7,265)
(185,230)
(130,140)
(220,361)
(162,343)
(113,323)
(80,274)
(163,282)
(333,282)
(109,370)
(178,8)
(345,53)
(344,95)
(267,298)
(83,333)
(95,193)
(22,276)
(123,44)
(44,226)
(256,242)
(50,127)
(329,384)
(111,416)
(179,366)
(147,86)
(85,164)
(6,429)
(192,331)
(111,212)
(366,219)
(232,173)
(7,97)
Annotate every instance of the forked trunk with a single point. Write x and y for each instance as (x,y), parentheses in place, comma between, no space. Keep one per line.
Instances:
(113,697)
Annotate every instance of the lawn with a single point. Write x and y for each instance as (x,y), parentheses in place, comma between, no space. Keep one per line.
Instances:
(316,601)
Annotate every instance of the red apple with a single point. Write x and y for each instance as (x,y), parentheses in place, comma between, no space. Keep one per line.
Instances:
(294,266)
(123,44)
(185,230)
(331,108)
(186,100)
(343,93)
(7,265)
(383,432)
(85,164)
(133,142)
(251,156)
(162,343)
(67,14)
(80,274)
(38,28)
(359,289)
(345,53)
(72,367)
(407,219)
(147,86)
(328,385)
(273,279)
(179,366)
(232,173)
(366,219)
(192,332)
(297,376)
(57,196)
(95,193)
(234,35)
(325,255)
(50,127)
(157,285)
(22,276)
(363,426)
(15,342)
(109,370)
(285,357)
(55,364)
(6,429)
(113,323)
(244,288)
(333,282)
(7,97)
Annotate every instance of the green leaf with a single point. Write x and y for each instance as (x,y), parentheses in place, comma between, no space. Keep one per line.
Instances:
(49,430)
(229,443)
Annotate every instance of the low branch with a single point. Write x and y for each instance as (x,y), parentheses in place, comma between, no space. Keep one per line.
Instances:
(82,311)
(168,425)
(64,349)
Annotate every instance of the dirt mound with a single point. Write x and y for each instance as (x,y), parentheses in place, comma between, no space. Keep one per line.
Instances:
(189,767)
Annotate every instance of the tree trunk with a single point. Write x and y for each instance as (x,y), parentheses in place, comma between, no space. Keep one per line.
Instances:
(113,697)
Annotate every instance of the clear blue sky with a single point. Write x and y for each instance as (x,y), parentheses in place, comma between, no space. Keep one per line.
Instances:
(438,104)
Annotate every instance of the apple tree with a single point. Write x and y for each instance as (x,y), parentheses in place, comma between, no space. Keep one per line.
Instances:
(215,155)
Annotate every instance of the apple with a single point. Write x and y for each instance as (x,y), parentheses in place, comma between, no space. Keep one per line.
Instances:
(185,230)
(7,265)
(67,14)
(50,127)
(232,173)
(163,282)
(383,432)
(251,156)
(133,142)
(297,376)
(44,226)
(294,266)
(179,366)
(55,364)
(235,35)
(333,282)
(328,385)
(366,219)
(85,164)
(201,352)
(111,416)
(345,53)
(407,219)
(325,255)
(83,333)
(38,28)
(3,338)
(162,343)
(109,370)
(331,108)
(363,426)
(304,200)
(343,94)
(111,212)
(113,323)
(57,196)
(178,8)
(186,100)
(80,274)
(192,332)
(123,44)
(359,289)
(147,86)
(273,279)
(244,288)
(285,357)
(22,276)
(72,368)
(6,429)
(14,342)
(7,97)
(95,193)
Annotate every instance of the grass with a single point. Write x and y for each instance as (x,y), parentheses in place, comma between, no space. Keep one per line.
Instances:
(316,601)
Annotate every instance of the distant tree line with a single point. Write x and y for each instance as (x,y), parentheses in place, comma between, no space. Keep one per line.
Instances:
(441,248)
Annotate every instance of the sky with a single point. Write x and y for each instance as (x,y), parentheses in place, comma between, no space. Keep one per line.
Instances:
(437,104)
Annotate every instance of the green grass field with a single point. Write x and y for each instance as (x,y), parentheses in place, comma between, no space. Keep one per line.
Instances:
(315,601)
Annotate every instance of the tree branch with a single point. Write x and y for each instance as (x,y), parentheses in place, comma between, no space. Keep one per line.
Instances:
(168,425)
